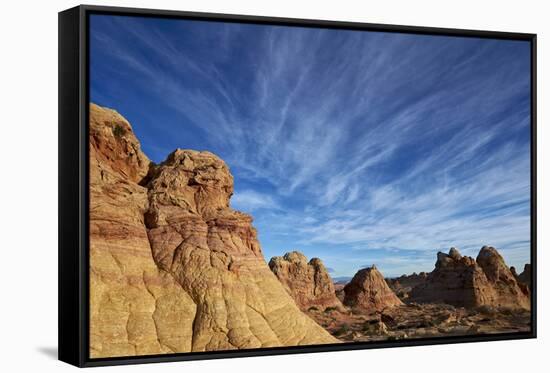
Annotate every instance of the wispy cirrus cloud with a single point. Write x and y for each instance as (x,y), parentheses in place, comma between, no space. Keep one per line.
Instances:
(355,147)
(250,200)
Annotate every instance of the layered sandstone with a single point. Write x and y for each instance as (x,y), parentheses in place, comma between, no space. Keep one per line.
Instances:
(466,282)
(369,291)
(307,282)
(172,267)
(135,308)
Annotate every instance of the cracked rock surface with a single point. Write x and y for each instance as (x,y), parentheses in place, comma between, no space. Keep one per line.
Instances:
(172,267)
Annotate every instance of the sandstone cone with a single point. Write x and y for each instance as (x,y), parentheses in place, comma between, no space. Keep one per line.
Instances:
(369,291)
(307,282)
(508,291)
(172,267)
(464,282)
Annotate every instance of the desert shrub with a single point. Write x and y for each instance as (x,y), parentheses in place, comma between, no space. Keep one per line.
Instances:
(330,309)
(313,308)
(118,131)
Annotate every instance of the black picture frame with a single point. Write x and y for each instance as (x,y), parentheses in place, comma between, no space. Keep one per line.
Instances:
(74,194)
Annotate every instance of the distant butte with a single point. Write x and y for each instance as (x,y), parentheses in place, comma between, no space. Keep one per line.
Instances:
(307,282)
(462,281)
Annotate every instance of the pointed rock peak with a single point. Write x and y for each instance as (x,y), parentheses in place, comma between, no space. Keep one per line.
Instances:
(454,253)
(295,257)
(316,262)
(443,260)
(488,251)
(114,147)
(492,263)
(275,259)
(368,290)
(525,276)
(371,271)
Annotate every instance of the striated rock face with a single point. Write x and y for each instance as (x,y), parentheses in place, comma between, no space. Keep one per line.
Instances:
(135,308)
(172,267)
(465,282)
(369,291)
(307,282)
(213,253)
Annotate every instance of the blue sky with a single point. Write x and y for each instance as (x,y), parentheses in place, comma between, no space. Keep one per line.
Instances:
(355,147)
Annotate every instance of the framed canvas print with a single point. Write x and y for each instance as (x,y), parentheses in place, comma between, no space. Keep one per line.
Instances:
(233,186)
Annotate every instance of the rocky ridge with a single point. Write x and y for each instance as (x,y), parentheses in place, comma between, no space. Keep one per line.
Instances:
(463,281)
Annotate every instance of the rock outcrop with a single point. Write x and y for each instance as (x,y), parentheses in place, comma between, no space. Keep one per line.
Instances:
(403,284)
(135,308)
(525,276)
(172,267)
(508,291)
(369,291)
(307,282)
(462,281)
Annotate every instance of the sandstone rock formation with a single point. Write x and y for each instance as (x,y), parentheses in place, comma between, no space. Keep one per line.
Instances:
(368,291)
(403,285)
(525,276)
(307,282)
(172,267)
(508,291)
(462,281)
(135,308)
(339,290)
